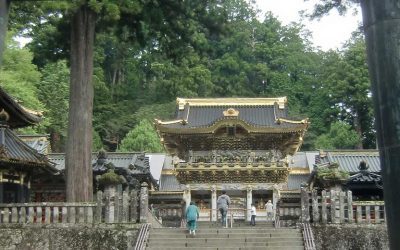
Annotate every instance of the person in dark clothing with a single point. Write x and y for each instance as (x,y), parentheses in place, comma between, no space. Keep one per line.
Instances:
(223,203)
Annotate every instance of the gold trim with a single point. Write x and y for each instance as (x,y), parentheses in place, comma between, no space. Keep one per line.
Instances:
(299,171)
(168,172)
(231,112)
(280,120)
(165,192)
(32,112)
(168,122)
(231,102)
(230,122)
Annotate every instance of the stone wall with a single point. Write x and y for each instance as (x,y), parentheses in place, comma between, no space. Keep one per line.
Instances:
(65,237)
(351,236)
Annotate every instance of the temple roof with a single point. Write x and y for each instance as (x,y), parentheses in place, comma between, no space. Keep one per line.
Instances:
(38,142)
(349,160)
(19,116)
(252,113)
(129,164)
(15,152)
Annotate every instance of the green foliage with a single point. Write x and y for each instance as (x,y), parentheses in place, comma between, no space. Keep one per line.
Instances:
(331,173)
(163,111)
(340,136)
(147,53)
(110,178)
(97,143)
(53,92)
(323,7)
(142,138)
(18,76)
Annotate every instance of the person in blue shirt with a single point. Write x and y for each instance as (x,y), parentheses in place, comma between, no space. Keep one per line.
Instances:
(192,215)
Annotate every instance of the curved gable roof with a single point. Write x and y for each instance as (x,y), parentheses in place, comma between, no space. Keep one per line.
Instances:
(19,116)
(253,112)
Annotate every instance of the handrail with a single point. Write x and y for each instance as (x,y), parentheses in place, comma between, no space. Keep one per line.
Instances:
(308,236)
(153,220)
(142,237)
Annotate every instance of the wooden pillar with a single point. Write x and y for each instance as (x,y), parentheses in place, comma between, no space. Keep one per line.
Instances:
(187,196)
(213,203)
(1,192)
(249,202)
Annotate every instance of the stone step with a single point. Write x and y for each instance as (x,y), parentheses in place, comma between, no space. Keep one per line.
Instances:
(198,238)
(202,234)
(228,248)
(173,233)
(226,230)
(225,243)
(239,224)
(211,235)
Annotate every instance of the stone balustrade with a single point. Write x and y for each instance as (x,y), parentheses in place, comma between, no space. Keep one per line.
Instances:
(109,207)
(338,207)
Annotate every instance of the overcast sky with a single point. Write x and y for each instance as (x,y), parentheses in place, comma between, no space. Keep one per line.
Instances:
(330,32)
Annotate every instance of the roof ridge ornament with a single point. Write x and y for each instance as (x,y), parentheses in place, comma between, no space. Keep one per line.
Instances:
(231,112)
(4,117)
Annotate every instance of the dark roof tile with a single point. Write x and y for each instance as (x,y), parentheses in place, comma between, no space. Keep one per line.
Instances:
(350,160)
(258,116)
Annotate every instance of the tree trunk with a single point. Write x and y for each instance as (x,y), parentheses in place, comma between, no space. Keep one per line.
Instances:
(55,142)
(4,6)
(382,32)
(357,126)
(79,141)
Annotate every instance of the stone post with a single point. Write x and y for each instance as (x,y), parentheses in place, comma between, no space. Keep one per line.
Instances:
(213,203)
(333,206)
(315,208)
(305,207)
(99,206)
(350,206)
(109,205)
(249,202)
(144,202)
(133,206)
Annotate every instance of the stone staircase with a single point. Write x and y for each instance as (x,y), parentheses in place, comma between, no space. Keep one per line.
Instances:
(213,236)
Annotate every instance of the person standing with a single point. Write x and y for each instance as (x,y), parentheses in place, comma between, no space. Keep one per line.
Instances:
(269,208)
(223,203)
(253,212)
(192,215)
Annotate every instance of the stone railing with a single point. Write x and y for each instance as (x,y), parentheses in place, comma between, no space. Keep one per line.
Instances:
(109,207)
(339,207)
(60,212)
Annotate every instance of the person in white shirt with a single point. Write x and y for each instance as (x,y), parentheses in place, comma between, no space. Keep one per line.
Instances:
(253,215)
(269,208)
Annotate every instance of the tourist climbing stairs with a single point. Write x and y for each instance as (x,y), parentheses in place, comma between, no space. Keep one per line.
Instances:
(241,237)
